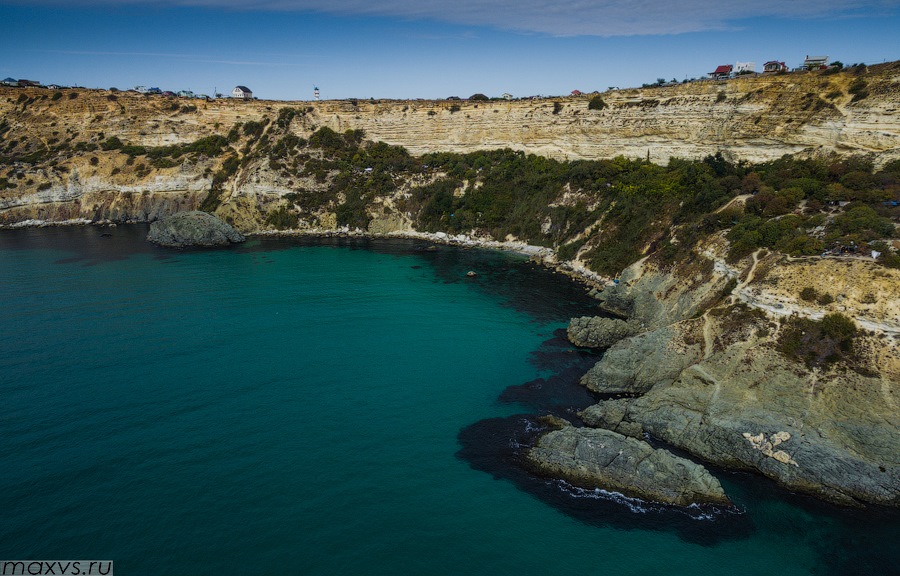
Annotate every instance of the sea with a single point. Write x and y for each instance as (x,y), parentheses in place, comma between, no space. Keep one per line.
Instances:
(335,407)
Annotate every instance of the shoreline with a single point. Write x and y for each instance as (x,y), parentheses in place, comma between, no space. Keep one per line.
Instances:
(542,255)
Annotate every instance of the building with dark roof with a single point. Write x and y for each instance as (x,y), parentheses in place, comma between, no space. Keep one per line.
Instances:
(242,92)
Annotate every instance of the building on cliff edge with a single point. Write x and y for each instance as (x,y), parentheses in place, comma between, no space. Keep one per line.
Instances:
(242,92)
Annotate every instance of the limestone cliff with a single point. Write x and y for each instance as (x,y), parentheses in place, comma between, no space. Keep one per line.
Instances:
(66,175)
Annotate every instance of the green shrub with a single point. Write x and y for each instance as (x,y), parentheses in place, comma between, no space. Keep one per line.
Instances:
(596,103)
(212,201)
(282,218)
(286,115)
(569,251)
(253,129)
(235,133)
(819,343)
(112,143)
(809,294)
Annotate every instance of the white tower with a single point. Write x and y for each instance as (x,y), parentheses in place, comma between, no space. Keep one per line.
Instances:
(316,93)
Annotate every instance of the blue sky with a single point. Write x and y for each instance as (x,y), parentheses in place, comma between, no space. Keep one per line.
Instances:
(425,48)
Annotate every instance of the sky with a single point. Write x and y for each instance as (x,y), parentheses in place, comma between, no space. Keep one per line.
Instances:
(282,49)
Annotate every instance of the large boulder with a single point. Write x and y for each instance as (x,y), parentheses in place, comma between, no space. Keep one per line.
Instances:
(596,458)
(596,331)
(637,364)
(196,228)
(611,415)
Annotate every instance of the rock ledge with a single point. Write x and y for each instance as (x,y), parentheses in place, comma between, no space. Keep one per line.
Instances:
(597,458)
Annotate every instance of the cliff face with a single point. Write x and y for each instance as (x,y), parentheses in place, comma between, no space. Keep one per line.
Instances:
(753,119)
(67,175)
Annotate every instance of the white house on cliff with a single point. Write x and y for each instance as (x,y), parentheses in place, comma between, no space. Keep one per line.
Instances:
(242,92)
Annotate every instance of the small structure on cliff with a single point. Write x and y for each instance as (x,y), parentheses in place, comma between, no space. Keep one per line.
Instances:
(722,72)
(774,66)
(242,92)
(815,62)
(744,68)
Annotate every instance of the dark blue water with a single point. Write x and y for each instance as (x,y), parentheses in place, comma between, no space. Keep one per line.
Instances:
(331,408)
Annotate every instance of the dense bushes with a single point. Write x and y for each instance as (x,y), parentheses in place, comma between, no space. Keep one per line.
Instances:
(596,103)
(818,343)
(209,146)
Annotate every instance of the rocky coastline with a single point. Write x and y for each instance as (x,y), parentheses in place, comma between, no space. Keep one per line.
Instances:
(734,403)
(715,341)
(712,381)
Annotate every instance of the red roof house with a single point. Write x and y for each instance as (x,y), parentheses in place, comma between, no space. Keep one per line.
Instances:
(722,72)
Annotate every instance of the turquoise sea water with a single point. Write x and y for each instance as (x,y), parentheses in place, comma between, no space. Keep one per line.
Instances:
(330,408)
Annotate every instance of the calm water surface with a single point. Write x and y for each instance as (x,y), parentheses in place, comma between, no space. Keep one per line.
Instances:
(306,407)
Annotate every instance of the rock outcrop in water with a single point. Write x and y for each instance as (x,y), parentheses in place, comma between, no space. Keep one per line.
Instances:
(195,228)
(597,332)
(596,458)
(718,384)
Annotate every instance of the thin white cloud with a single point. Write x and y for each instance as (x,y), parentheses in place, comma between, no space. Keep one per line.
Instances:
(557,17)
(187,57)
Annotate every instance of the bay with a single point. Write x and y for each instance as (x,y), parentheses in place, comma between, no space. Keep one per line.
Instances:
(301,406)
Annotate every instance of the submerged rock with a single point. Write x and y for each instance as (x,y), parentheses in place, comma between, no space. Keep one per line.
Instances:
(596,458)
(192,229)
